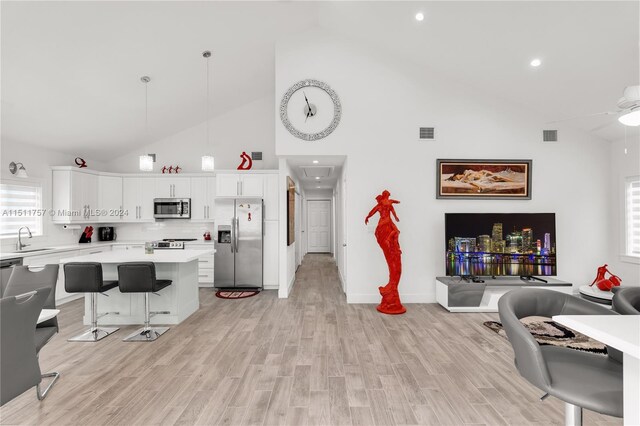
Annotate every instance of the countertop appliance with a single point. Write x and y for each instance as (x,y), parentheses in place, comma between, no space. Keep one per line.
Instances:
(172,208)
(106,233)
(238,241)
(6,266)
(171,243)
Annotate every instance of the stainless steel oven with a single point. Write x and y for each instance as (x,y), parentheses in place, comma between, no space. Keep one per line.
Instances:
(172,208)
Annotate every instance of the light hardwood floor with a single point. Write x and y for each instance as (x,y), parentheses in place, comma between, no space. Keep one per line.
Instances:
(307,360)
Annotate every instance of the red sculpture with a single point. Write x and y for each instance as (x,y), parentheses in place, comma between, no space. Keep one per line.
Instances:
(247,162)
(605,284)
(387,234)
(80,162)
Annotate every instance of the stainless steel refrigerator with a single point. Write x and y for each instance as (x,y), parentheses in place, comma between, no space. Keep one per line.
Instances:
(238,243)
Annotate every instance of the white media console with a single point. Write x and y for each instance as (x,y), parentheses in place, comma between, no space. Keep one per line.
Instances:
(457,295)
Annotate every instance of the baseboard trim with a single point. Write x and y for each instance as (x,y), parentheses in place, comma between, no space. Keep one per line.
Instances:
(405,298)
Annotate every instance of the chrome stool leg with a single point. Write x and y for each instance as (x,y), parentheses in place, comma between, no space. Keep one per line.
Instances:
(95,333)
(572,415)
(146,333)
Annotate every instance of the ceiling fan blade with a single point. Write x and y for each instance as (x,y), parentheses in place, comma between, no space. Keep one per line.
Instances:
(583,116)
(602,126)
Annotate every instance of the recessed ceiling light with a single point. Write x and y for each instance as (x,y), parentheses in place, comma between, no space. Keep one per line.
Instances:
(419,16)
(317,178)
(315,161)
(536,62)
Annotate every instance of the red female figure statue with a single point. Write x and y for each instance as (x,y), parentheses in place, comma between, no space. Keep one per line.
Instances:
(387,234)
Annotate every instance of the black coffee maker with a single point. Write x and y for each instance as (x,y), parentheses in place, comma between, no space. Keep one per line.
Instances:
(106,233)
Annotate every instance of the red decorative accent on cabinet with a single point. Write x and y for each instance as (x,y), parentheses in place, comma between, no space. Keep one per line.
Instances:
(605,284)
(80,163)
(247,162)
(387,234)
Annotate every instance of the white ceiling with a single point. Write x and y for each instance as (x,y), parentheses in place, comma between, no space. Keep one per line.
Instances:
(299,162)
(71,70)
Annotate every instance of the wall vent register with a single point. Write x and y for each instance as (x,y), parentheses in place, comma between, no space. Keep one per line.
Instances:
(550,136)
(428,133)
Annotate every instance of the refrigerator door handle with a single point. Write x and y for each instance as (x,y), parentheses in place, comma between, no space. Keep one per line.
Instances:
(233,235)
(237,232)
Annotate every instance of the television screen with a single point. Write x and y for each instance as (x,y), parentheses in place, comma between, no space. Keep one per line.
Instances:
(500,244)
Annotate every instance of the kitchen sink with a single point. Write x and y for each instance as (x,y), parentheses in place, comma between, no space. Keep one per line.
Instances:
(32,250)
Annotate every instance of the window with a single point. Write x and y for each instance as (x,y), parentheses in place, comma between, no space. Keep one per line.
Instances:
(20,205)
(632,219)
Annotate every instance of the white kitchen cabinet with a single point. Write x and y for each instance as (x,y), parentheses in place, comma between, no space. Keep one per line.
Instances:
(203,193)
(271,197)
(137,198)
(239,185)
(173,187)
(270,254)
(75,196)
(110,196)
(205,263)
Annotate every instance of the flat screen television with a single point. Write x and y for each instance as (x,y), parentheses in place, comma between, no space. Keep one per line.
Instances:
(500,244)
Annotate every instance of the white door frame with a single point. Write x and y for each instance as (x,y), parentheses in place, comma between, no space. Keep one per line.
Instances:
(307,200)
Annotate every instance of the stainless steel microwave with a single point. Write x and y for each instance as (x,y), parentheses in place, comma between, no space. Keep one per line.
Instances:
(172,208)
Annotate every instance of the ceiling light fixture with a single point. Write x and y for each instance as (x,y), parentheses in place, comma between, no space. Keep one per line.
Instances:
(536,62)
(315,161)
(208,161)
(632,118)
(146,160)
(18,170)
(317,178)
(419,16)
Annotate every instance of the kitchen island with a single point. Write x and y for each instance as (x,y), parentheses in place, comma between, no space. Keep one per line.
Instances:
(180,299)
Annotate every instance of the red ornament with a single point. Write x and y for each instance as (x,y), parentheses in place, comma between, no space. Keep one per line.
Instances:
(247,162)
(605,284)
(164,169)
(80,163)
(177,169)
(170,169)
(387,234)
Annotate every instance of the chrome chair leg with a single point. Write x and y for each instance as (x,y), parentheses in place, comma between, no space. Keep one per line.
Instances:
(572,415)
(43,394)
(95,333)
(146,333)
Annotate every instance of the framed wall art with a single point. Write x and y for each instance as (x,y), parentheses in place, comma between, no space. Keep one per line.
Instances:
(291,211)
(486,179)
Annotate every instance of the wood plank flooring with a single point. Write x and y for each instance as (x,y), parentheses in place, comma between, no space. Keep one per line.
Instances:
(307,360)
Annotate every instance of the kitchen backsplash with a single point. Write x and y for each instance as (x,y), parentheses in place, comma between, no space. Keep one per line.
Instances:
(161,229)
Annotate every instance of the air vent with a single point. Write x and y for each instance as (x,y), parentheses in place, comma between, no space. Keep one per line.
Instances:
(256,156)
(317,171)
(428,133)
(549,136)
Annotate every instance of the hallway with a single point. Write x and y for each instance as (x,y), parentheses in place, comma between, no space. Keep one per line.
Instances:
(310,359)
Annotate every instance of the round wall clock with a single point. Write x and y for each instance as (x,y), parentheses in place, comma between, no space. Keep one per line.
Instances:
(310,110)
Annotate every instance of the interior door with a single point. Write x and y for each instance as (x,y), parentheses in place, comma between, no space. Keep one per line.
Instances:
(248,241)
(319,226)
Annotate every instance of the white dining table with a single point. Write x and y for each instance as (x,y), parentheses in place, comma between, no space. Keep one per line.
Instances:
(621,332)
(47,314)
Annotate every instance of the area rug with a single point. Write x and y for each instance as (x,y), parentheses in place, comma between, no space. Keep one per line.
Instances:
(224,294)
(548,332)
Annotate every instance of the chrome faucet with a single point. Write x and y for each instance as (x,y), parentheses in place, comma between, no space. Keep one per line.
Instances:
(19,245)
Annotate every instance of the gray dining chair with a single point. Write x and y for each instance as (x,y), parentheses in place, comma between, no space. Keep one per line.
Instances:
(626,301)
(22,280)
(19,366)
(580,379)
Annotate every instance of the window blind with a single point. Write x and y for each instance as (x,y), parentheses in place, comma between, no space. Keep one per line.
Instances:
(632,226)
(20,205)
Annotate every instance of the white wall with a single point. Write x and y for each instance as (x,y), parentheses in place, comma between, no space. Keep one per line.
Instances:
(287,252)
(247,128)
(384,101)
(38,161)
(622,165)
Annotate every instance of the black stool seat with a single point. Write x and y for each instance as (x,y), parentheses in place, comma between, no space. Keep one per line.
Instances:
(108,285)
(86,277)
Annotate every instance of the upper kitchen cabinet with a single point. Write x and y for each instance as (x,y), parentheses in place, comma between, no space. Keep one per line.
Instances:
(110,198)
(137,198)
(173,187)
(203,193)
(75,196)
(239,185)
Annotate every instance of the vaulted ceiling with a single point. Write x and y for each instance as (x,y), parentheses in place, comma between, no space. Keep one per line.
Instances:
(71,70)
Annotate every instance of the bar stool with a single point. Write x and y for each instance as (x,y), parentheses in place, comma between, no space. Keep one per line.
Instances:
(140,277)
(86,277)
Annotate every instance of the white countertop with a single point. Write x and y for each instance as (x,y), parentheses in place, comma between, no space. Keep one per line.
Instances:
(619,331)
(52,249)
(138,255)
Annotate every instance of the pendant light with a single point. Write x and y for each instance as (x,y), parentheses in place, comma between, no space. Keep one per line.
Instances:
(208,162)
(146,160)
